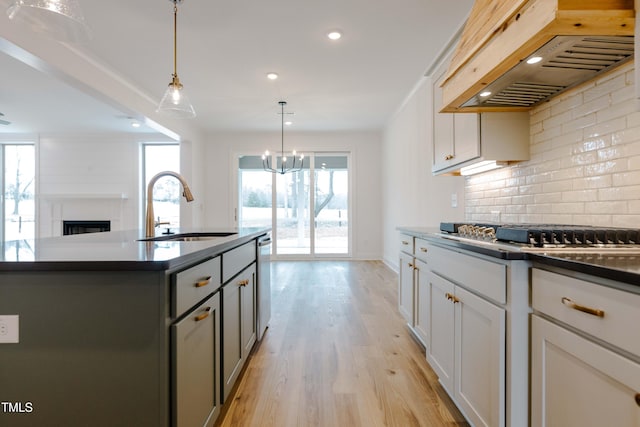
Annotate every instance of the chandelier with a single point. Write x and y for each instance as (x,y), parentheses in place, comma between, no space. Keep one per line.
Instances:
(174,102)
(294,165)
(61,19)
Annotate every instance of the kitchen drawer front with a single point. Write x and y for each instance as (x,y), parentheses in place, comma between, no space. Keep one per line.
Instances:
(406,243)
(421,249)
(567,298)
(194,284)
(236,260)
(479,275)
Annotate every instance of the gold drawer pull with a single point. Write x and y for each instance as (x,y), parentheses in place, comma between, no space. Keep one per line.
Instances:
(404,242)
(593,311)
(204,282)
(244,282)
(411,265)
(449,157)
(423,249)
(203,315)
(451,297)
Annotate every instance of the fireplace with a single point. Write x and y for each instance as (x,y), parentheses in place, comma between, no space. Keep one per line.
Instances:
(80,227)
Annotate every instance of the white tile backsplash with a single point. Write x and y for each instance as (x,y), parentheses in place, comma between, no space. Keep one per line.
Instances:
(585,161)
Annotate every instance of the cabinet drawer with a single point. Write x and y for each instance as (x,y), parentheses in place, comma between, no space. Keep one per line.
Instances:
(421,249)
(235,260)
(482,276)
(606,313)
(406,243)
(195,283)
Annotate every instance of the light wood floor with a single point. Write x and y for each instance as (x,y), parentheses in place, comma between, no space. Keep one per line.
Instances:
(337,353)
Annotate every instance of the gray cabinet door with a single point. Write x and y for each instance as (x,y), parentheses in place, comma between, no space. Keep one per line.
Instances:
(239,325)
(196,344)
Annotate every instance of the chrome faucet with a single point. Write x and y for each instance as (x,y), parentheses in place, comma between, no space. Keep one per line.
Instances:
(151,224)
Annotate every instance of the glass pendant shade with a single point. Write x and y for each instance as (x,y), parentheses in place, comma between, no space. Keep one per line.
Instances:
(175,102)
(61,19)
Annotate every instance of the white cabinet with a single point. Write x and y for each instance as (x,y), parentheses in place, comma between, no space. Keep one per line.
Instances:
(412,290)
(405,287)
(421,296)
(459,139)
(467,350)
(456,137)
(585,360)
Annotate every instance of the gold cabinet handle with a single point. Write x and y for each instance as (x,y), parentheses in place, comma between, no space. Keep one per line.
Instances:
(422,249)
(593,311)
(404,242)
(204,282)
(449,157)
(451,297)
(411,265)
(203,315)
(244,282)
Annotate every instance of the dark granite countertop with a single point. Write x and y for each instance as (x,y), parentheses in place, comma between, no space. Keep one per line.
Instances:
(619,267)
(117,250)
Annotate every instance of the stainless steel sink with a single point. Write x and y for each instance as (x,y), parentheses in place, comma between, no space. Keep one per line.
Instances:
(189,237)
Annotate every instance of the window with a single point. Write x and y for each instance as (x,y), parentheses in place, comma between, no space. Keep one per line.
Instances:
(17,178)
(167,190)
(310,207)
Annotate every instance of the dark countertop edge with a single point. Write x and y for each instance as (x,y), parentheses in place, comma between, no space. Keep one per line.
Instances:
(434,235)
(177,263)
(589,269)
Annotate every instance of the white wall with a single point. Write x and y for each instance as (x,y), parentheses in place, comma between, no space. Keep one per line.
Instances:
(412,196)
(585,161)
(220,187)
(89,177)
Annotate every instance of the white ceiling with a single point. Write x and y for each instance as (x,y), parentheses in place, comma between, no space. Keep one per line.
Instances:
(225,51)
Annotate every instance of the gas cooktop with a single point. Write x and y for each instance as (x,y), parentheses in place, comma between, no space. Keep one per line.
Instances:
(548,236)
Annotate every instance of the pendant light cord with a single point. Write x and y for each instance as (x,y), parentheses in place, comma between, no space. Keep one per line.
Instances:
(175,38)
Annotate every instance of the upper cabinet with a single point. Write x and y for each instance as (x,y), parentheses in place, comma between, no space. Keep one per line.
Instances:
(572,41)
(472,139)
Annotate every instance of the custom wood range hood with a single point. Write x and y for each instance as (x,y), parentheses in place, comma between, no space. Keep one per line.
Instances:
(576,39)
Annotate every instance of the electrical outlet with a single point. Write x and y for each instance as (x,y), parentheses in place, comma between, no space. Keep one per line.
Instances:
(9,329)
(454,200)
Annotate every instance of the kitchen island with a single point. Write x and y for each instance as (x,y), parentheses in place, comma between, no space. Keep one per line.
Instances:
(115,330)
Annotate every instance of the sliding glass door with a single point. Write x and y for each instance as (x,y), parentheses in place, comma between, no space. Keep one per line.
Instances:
(308,210)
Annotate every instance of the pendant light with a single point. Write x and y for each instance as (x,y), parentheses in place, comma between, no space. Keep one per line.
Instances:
(175,102)
(295,165)
(61,19)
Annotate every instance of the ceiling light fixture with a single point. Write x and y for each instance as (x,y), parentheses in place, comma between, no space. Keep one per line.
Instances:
(272,76)
(174,102)
(534,60)
(334,35)
(294,166)
(485,93)
(61,19)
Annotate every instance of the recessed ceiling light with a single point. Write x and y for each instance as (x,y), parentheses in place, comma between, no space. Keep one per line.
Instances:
(485,93)
(135,124)
(288,123)
(272,76)
(534,60)
(334,35)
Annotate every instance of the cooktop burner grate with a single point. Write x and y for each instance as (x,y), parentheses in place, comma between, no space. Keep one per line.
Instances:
(554,234)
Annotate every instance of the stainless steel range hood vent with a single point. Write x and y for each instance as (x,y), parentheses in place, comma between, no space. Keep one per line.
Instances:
(566,62)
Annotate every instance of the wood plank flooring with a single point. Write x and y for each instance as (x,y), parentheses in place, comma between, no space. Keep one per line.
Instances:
(337,353)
